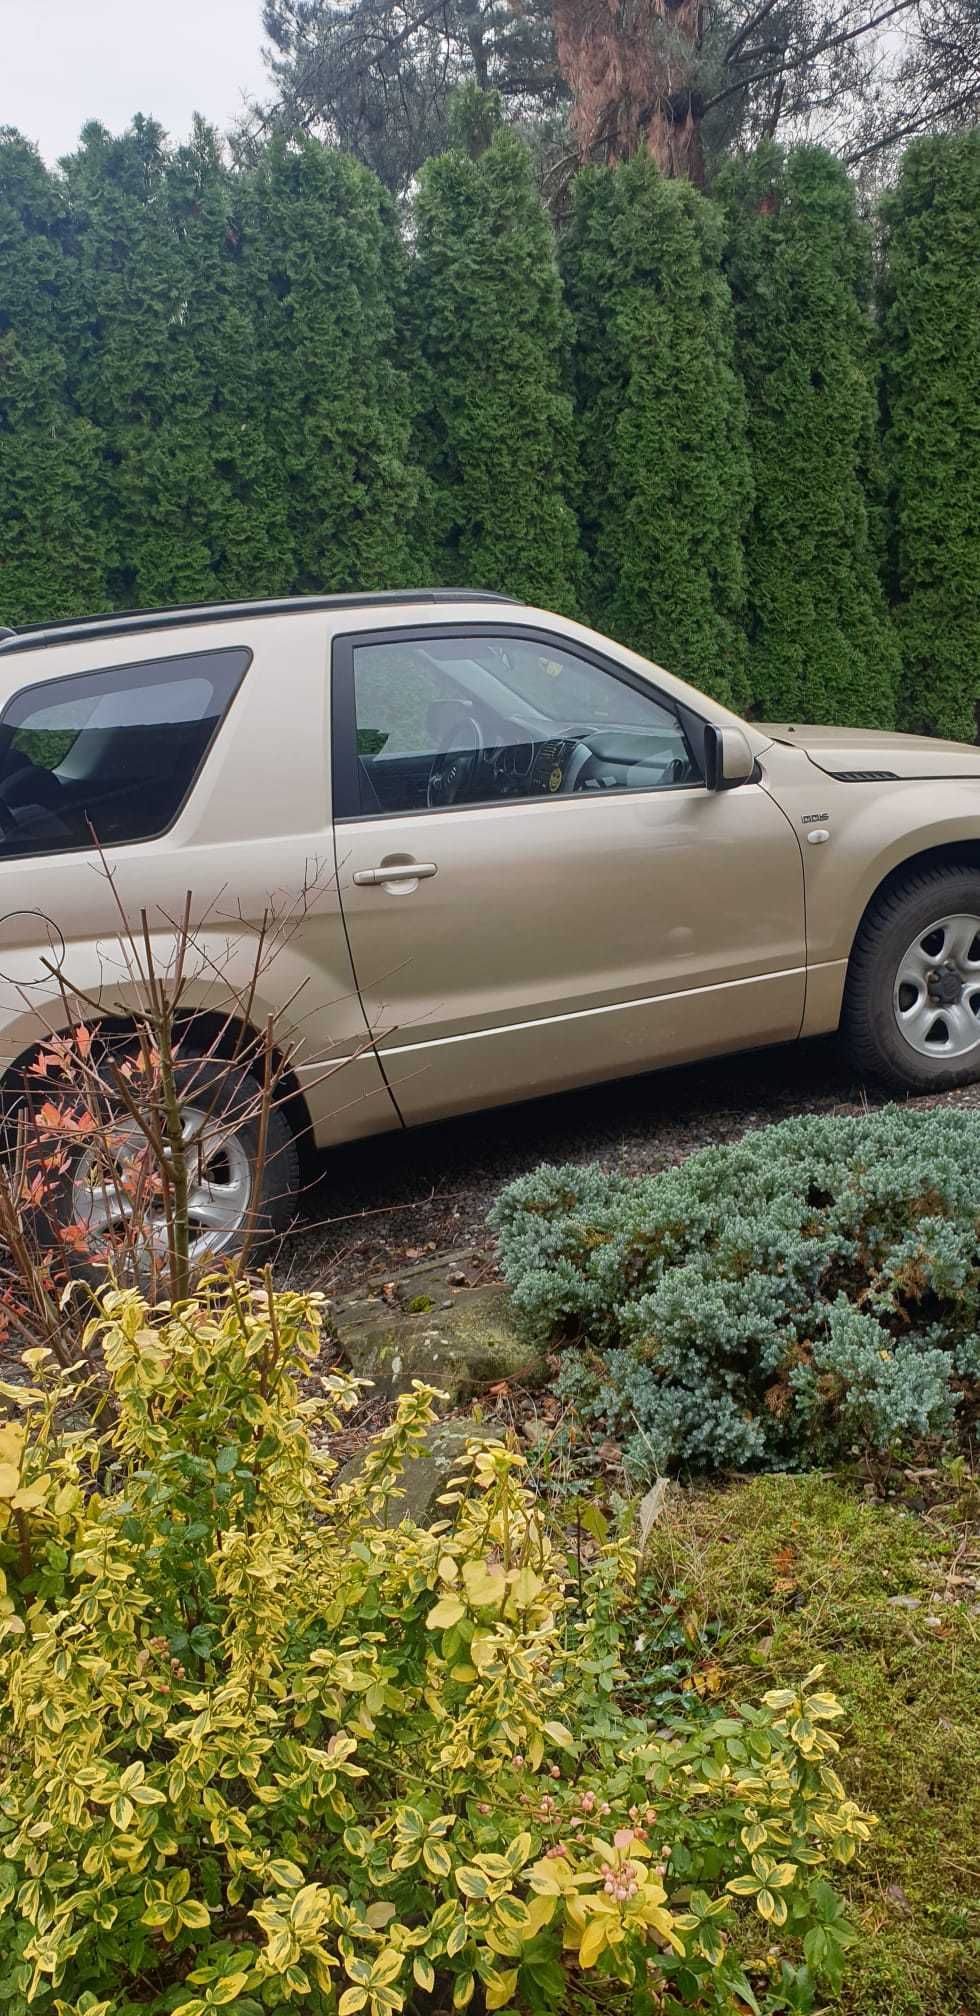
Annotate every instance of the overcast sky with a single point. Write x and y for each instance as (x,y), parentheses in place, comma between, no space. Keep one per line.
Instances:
(65,61)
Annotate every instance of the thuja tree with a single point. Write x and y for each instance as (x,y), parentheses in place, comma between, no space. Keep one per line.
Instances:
(666,487)
(52,555)
(931,345)
(166,371)
(325,270)
(497,430)
(821,642)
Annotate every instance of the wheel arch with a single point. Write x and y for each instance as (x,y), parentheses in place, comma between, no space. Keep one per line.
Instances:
(949,854)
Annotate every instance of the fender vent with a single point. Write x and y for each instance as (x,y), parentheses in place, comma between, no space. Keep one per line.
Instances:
(865,776)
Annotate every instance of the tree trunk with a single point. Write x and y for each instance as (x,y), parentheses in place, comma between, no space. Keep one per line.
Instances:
(630,65)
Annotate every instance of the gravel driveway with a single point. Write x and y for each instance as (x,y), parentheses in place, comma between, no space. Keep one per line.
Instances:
(381,1203)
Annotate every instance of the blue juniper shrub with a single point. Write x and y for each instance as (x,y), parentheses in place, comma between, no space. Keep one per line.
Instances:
(780,1302)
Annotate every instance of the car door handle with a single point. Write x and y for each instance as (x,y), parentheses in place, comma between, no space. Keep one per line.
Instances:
(395,871)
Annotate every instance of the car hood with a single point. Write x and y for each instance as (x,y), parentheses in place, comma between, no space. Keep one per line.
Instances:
(837,750)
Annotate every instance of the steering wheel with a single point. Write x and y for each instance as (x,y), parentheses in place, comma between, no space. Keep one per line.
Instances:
(453,769)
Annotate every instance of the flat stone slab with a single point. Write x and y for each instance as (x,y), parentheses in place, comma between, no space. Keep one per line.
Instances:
(426,1476)
(429,1323)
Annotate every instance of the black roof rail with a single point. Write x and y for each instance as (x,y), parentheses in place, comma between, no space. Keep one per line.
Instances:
(36,635)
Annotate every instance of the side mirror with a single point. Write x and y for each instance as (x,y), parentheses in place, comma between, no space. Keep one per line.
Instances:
(728,758)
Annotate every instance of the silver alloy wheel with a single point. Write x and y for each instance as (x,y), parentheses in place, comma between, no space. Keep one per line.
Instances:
(937,988)
(219,1185)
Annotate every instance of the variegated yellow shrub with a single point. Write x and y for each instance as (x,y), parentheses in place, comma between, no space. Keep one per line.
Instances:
(263,1748)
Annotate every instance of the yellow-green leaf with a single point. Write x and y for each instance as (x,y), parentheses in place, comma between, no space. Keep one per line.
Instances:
(445,1614)
(498,1988)
(593,1941)
(525,1586)
(194,1915)
(463,1990)
(285,1873)
(228,1988)
(485,1586)
(158,1913)
(436,1857)
(32,1495)
(823,1707)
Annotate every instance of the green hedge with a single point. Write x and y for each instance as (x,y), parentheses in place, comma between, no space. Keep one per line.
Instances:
(221,381)
(53,549)
(497,428)
(931,357)
(813,1289)
(799,263)
(665,468)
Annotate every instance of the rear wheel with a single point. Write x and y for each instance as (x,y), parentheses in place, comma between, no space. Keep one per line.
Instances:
(912,1002)
(237,1187)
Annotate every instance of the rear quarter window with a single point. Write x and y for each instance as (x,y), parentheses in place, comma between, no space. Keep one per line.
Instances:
(109,757)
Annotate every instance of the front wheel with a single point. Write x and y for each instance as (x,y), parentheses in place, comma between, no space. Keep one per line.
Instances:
(912,1001)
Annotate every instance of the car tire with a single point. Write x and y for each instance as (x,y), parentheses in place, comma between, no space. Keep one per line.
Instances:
(225,1172)
(912,996)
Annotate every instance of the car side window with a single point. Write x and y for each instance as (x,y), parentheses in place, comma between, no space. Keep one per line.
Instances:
(111,753)
(452,720)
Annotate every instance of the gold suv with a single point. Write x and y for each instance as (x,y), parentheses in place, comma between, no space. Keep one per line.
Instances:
(519,857)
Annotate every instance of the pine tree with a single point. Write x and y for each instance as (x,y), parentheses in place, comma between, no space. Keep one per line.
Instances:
(497,429)
(931,353)
(821,643)
(52,561)
(166,370)
(326,273)
(665,474)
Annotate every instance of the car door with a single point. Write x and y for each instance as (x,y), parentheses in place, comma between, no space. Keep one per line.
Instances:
(538,888)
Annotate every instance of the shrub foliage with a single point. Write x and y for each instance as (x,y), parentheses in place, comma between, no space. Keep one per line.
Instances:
(262,1747)
(665,468)
(224,380)
(53,556)
(820,642)
(496,430)
(931,345)
(813,1288)
(324,268)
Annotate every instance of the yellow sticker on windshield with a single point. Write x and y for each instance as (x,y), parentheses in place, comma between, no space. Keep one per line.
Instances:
(554,781)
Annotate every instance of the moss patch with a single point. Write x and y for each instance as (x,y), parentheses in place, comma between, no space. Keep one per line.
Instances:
(780,1572)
